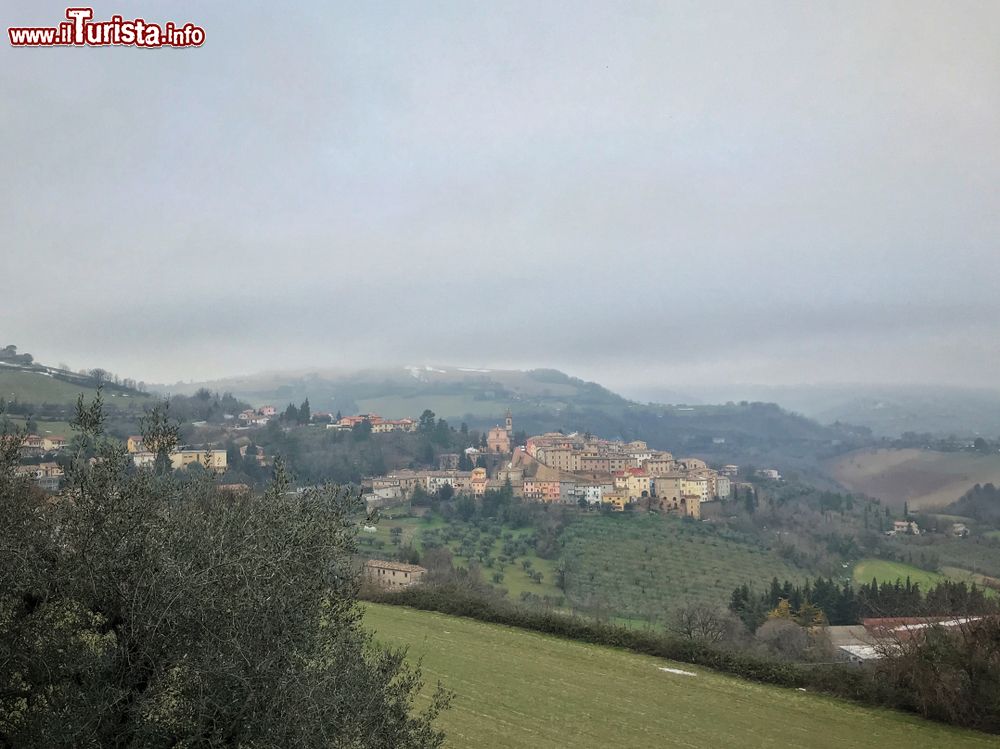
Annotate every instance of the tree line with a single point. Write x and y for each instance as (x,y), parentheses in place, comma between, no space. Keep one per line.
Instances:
(842,603)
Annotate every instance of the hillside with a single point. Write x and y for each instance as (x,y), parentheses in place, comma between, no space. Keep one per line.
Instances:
(518,689)
(642,567)
(924,479)
(55,387)
(889,410)
(404,391)
(43,398)
(547,400)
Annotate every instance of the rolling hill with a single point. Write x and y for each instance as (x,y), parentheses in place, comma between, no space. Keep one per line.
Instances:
(519,690)
(56,387)
(548,400)
(47,396)
(889,410)
(924,479)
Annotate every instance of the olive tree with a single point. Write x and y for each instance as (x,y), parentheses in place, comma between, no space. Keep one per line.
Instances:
(140,610)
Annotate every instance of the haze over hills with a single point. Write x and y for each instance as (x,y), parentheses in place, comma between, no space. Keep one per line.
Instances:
(889,410)
(549,400)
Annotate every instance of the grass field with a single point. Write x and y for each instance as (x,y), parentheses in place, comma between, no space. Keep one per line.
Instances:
(991,584)
(924,479)
(46,428)
(644,566)
(523,690)
(890,572)
(37,388)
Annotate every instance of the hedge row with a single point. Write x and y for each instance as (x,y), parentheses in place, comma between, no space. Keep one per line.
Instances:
(970,664)
(841,680)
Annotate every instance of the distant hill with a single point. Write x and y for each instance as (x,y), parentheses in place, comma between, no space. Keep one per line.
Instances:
(888,410)
(549,400)
(404,391)
(924,479)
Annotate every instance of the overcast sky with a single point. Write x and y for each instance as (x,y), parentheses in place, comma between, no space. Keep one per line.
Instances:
(641,193)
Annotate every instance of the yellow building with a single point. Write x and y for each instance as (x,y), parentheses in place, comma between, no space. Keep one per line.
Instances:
(212,459)
(698,486)
(134,444)
(638,485)
(691,506)
(479,482)
(617,499)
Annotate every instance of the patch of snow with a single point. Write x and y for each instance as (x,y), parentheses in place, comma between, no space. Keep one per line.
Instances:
(478,371)
(677,671)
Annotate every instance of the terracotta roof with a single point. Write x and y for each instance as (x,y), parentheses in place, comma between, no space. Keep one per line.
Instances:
(398,566)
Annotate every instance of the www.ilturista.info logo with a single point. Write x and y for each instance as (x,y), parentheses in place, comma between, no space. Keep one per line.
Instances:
(80,30)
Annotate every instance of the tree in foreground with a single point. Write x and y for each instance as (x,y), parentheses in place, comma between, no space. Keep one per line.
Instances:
(141,609)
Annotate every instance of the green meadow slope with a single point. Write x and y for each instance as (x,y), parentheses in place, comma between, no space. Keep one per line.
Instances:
(521,689)
(31,386)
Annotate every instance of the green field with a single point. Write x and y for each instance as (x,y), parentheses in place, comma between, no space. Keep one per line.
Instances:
(890,572)
(37,388)
(521,689)
(46,428)
(643,566)
(991,584)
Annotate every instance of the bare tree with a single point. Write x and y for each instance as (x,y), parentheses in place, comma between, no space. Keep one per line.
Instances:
(699,621)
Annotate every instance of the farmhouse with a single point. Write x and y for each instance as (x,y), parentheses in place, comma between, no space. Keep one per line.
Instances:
(393,575)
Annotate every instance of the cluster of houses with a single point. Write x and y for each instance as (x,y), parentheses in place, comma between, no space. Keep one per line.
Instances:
(617,473)
(35,446)
(47,475)
(258,417)
(378,424)
(569,469)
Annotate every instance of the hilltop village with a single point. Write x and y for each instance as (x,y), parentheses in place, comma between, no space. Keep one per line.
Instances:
(577,469)
(571,469)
